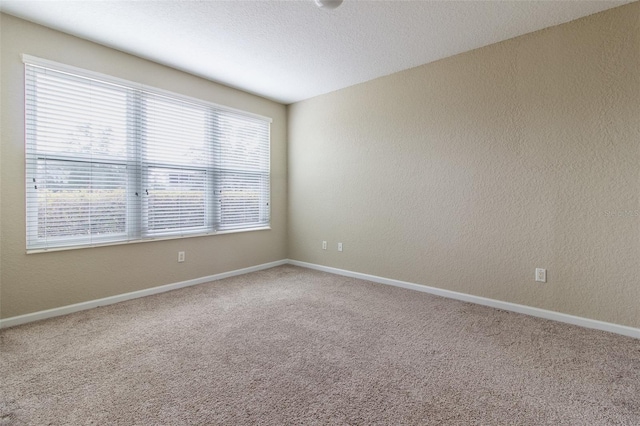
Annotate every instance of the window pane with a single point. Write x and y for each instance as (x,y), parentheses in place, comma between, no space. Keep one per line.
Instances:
(175,200)
(70,115)
(242,198)
(78,199)
(243,143)
(175,132)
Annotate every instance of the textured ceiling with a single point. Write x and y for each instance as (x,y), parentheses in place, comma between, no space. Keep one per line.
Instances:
(292,50)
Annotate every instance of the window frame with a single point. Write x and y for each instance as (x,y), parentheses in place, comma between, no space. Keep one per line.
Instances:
(136,228)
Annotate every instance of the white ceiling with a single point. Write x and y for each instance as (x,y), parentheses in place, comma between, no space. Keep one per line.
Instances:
(292,50)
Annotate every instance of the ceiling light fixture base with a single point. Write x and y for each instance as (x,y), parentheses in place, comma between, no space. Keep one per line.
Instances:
(328,4)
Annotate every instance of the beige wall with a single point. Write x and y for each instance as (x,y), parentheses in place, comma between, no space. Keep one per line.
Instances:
(463,174)
(468,173)
(36,282)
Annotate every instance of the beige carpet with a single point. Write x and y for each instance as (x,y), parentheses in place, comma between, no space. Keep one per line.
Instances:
(294,346)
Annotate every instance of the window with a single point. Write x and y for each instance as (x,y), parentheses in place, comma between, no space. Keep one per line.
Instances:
(111,161)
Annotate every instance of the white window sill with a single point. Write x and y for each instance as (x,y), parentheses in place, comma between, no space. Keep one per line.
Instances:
(145,240)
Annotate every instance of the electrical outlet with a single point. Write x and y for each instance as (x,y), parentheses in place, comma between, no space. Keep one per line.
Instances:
(339,246)
(180,256)
(324,245)
(541,275)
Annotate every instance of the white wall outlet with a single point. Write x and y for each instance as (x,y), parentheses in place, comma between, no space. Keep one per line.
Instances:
(324,245)
(541,275)
(339,246)
(180,256)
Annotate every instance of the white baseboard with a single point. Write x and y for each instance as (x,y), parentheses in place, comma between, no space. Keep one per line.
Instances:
(64,310)
(507,306)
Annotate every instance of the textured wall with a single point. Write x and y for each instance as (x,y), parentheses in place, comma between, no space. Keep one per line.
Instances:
(468,173)
(35,282)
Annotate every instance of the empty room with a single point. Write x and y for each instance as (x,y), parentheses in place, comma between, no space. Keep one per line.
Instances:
(320,212)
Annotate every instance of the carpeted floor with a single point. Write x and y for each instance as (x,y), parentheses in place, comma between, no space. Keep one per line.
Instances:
(294,346)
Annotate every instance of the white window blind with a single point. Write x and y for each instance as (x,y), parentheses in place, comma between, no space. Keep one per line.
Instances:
(177,177)
(112,161)
(242,171)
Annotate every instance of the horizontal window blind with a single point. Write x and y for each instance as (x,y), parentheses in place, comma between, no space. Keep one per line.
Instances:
(177,176)
(111,161)
(242,171)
